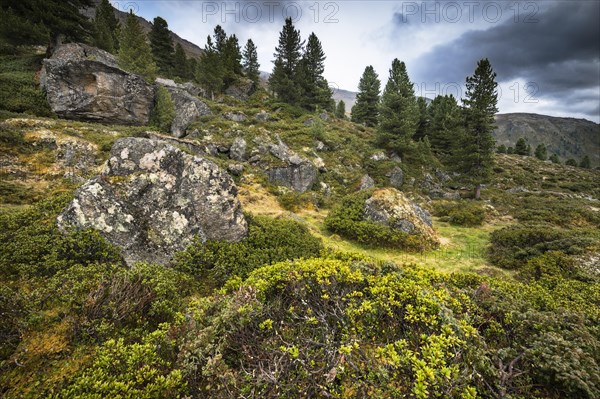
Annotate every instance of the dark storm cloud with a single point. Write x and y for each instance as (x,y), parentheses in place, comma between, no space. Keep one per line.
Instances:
(559,52)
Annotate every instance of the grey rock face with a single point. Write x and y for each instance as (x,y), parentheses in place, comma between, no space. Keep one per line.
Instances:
(396,177)
(262,116)
(187,110)
(298,177)
(235,116)
(366,182)
(241,89)
(378,156)
(85,83)
(152,199)
(237,151)
(189,87)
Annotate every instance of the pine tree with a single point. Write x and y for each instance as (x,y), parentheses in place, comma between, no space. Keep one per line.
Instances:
(510,150)
(315,91)
(231,58)
(585,162)
(541,152)
(106,26)
(180,62)
(44,22)
(366,108)
(162,46)
(340,110)
(571,162)
(220,39)
(134,52)
(210,69)
(398,112)
(554,158)
(521,147)
(424,121)
(501,149)
(250,62)
(192,67)
(283,81)
(445,124)
(163,113)
(474,153)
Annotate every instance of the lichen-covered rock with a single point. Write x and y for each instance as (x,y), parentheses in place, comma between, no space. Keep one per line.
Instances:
(241,90)
(77,154)
(152,199)
(396,177)
(235,116)
(237,152)
(262,116)
(300,177)
(392,208)
(187,110)
(366,182)
(85,83)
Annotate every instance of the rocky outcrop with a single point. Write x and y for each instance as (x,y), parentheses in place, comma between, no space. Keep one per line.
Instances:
(187,110)
(152,199)
(396,177)
(392,208)
(300,174)
(366,182)
(241,90)
(85,83)
(237,151)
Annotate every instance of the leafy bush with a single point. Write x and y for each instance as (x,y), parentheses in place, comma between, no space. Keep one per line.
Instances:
(346,219)
(269,241)
(511,247)
(553,264)
(463,213)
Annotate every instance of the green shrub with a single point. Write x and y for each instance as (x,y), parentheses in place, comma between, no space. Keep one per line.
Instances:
(163,113)
(269,241)
(346,219)
(11,136)
(511,247)
(552,264)
(463,213)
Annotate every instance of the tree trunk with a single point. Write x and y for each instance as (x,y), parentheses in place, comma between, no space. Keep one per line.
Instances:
(478,191)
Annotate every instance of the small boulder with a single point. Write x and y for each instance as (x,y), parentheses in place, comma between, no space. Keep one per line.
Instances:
(188,109)
(235,116)
(152,199)
(241,90)
(396,177)
(237,152)
(378,156)
(262,116)
(236,169)
(366,182)
(300,177)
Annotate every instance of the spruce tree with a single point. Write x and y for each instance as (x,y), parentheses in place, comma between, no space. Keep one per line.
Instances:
(134,51)
(501,149)
(424,121)
(585,162)
(163,113)
(209,73)
(44,22)
(521,147)
(250,62)
(571,162)
(315,91)
(541,152)
(554,158)
(474,153)
(340,110)
(231,58)
(106,27)
(445,124)
(220,39)
(398,112)
(180,63)
(283,81)
(162,46)
(366,108)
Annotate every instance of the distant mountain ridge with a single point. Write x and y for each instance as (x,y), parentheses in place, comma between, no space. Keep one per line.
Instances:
(566,137)
(190,48)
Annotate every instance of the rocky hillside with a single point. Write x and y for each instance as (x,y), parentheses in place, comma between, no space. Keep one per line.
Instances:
(190,48)
(566,137)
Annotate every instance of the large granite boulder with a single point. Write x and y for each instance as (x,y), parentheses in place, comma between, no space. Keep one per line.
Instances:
(187,110)
(85,83)
(299,173)
(152,199)
(392,208)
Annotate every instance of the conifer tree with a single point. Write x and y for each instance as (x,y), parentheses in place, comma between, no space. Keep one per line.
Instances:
(541,152)
(474,153)
(366,108)
(250,62)
(554,158)
(180,63)
(192,67)
(283,81)
(231,58)
(161,44)
(315,91)
(501,149)
(106,27)
(44,22)
(571,162)
(445,124)
(424,121)
(163,113)
(340,110)
(220,39)
(585,162)
(398,112)
(210,69)
(521,147)
(134,51)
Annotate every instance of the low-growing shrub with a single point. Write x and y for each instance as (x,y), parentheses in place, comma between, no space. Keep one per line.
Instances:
(346,219)
(463,213)
(511,247)
(269,241)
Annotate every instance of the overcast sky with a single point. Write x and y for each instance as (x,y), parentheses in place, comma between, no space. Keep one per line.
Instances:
(546,53)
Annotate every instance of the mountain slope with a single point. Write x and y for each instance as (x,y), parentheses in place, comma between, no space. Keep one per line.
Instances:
(567,137)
